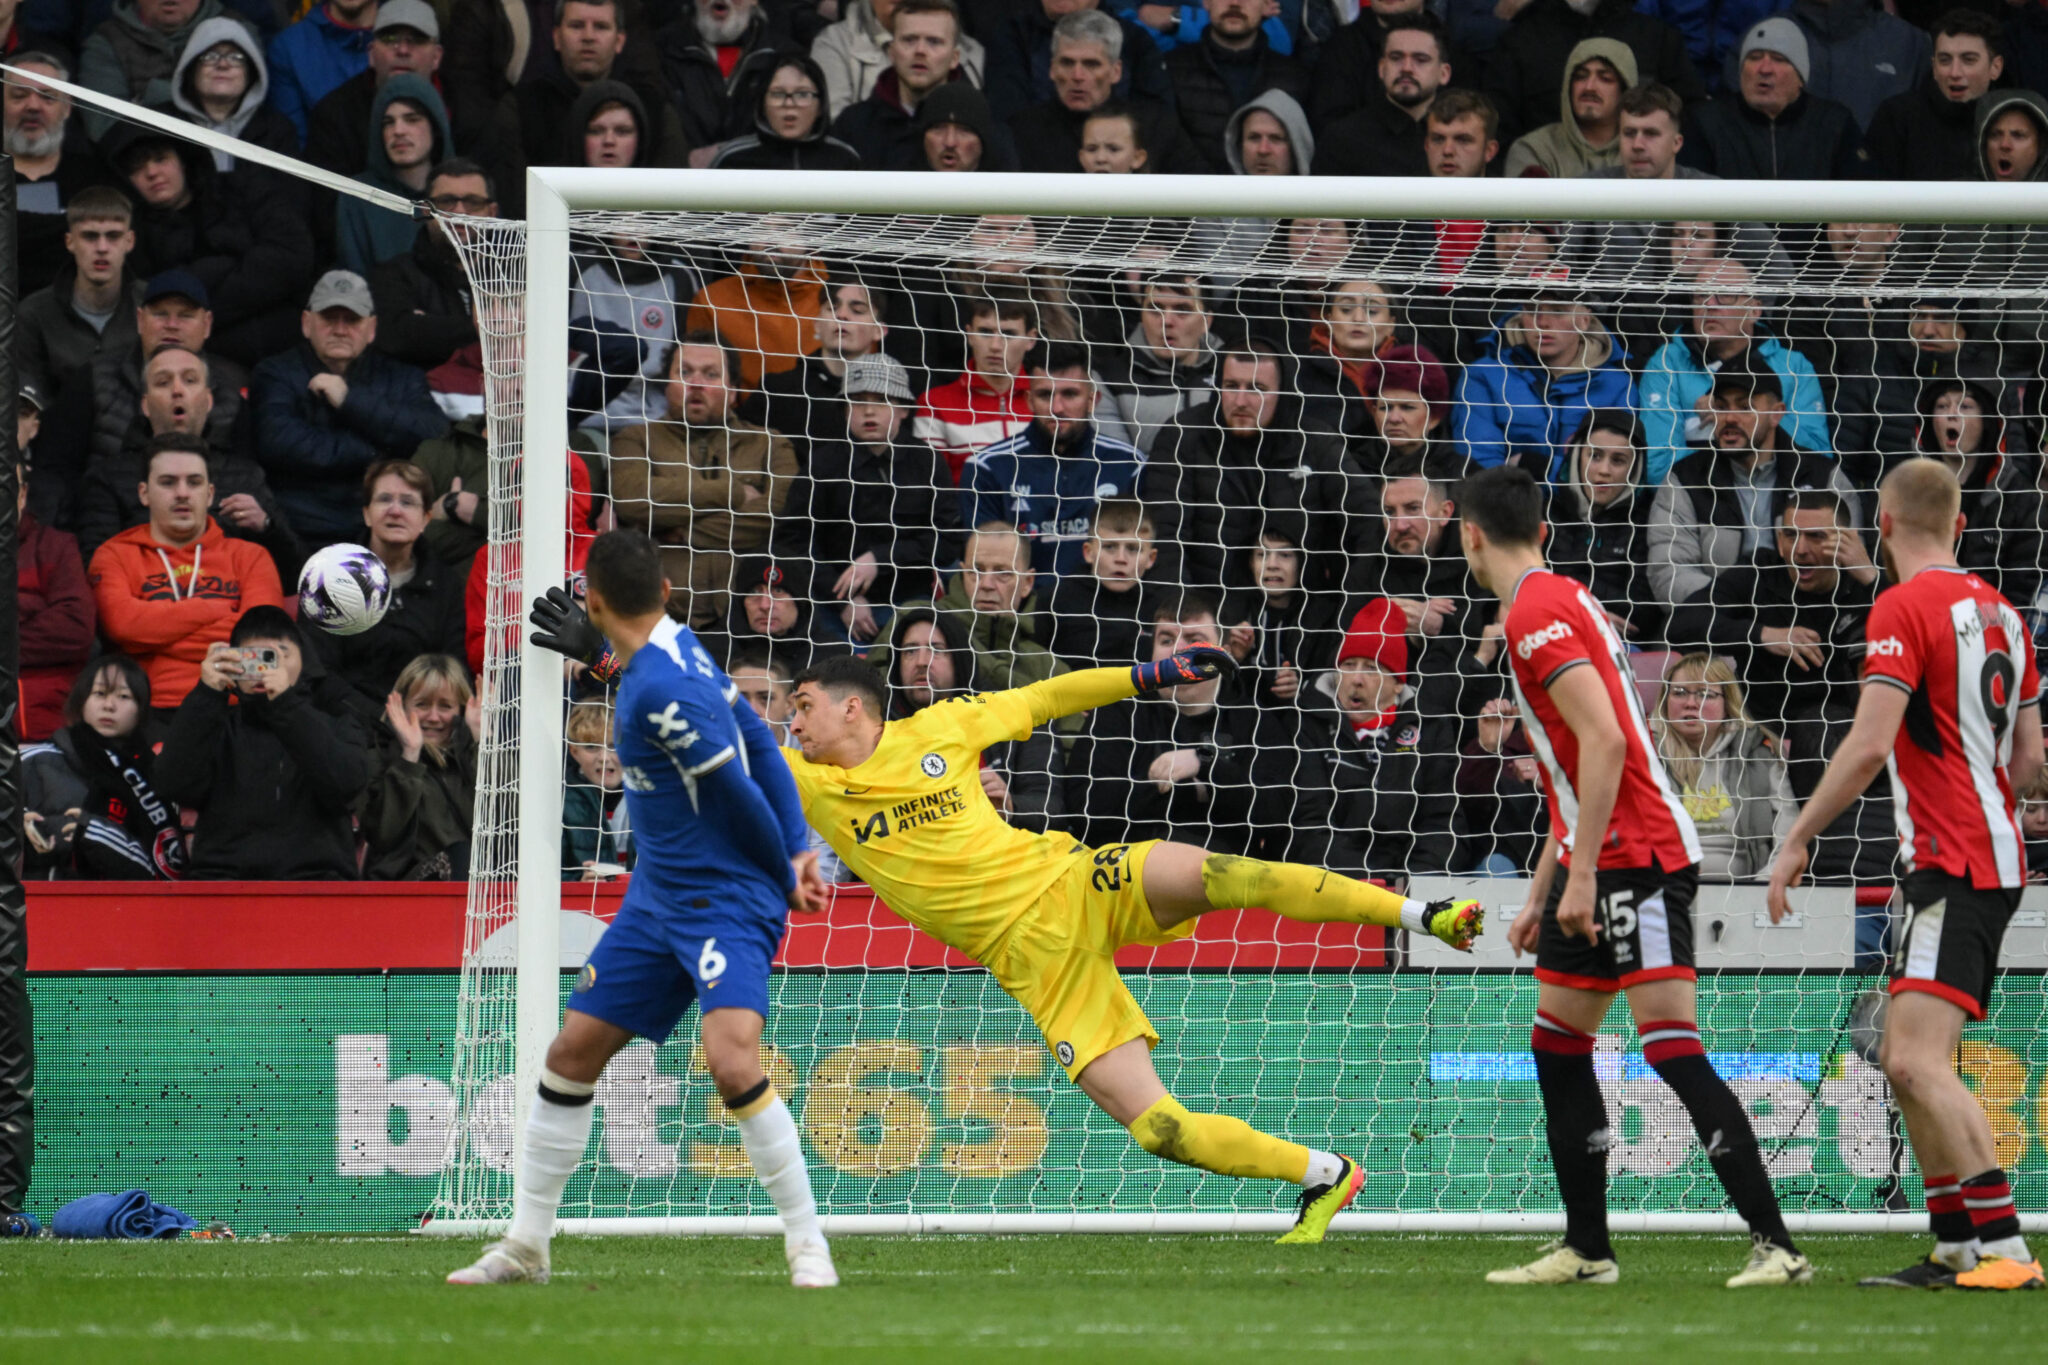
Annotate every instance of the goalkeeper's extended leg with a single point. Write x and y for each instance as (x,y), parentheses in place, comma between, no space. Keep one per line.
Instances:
(1182,880)
(1123,1082)
(557,1130)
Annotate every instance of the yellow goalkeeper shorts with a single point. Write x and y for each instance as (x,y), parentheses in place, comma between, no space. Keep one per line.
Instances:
(1057,960)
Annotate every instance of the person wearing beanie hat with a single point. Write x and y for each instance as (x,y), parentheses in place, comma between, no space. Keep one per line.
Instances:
(1412,402)
(771,605)
(958,132)
(1393,771)
(1770,128)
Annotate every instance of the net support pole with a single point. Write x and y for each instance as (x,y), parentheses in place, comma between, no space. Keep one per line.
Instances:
(543,518)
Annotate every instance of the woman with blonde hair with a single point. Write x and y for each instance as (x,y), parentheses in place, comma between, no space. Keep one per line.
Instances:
(1728,769)
(416,815)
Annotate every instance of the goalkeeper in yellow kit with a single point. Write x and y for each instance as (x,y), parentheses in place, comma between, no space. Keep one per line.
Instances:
(901,803)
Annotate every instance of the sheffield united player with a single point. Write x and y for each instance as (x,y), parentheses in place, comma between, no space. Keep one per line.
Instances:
(1949,665)
(1620,918)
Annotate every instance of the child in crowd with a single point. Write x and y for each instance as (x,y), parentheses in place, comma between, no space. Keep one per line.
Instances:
(597,842)
(1098,616)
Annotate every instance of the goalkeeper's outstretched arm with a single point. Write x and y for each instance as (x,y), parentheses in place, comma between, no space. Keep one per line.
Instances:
(1087,688)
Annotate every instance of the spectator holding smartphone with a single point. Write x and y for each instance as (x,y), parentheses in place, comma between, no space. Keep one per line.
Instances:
(270,757)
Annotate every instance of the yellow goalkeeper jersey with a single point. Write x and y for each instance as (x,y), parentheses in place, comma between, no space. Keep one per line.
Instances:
(913,822)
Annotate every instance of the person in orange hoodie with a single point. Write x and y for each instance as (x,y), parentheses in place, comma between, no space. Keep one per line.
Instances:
(768,312)
(171,587)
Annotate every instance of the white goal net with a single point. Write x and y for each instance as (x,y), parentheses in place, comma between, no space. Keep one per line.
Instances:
(981,445)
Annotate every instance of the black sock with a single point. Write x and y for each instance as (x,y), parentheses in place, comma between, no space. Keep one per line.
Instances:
(1673,1049)
(1988,1197)
(1575,1120)
(1948,1218)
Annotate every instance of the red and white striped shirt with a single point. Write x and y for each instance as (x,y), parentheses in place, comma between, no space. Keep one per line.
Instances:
(1961,654)
(961,419)
(1554,625)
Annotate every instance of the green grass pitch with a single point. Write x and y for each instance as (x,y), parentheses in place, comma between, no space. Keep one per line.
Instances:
(1413,1299)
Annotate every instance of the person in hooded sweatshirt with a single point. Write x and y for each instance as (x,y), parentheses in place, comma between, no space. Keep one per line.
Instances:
(1219,74)
(131,56)
(243,236)
(1962,425)
(222,84)
(790,127)
(1587,135)
(408,137)
(2012,147)
(271,756)
(1270,135)
(1544,369)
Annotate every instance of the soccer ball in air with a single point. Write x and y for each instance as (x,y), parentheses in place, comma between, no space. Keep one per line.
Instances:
(344,590)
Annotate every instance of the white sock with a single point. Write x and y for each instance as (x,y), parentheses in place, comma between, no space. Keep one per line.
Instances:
(1957,1256)
(778,1156)
(556,1135)
(1323,1169)
(1415,916)
(2013,1248)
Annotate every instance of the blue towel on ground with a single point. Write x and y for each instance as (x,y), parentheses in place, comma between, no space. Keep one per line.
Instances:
(131,1214)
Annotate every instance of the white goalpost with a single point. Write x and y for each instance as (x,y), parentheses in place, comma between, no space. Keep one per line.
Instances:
(926,1098)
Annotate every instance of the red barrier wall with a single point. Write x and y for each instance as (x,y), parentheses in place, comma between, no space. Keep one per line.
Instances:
(417,926)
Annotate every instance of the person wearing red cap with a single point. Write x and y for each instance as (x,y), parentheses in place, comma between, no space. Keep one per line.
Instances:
(1393,769)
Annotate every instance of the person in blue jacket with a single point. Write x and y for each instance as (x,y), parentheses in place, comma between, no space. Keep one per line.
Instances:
(1048,478)
(1535,380)
(316,54)
(1679,379)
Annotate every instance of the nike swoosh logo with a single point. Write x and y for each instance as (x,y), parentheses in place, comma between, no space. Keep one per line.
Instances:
(1586,1274)
(858,791)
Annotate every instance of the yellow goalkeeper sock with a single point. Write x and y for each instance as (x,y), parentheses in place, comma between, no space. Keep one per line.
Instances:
(1217,1142)
(1311,894)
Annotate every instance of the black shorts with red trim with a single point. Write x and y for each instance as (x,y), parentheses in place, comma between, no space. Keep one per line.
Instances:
(1953,931)
(1645,919)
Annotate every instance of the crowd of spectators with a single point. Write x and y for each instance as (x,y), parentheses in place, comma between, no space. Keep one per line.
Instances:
(980,468)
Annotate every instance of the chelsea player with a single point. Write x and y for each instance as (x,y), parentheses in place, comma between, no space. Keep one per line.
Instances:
(722,858)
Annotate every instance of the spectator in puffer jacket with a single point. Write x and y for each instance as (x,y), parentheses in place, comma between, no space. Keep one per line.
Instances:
(1725,331)
(1859,53)
(1772,128)
(53,604)
(418,808)
(1587,135)
(408,137)
(316,54)
(1218,74)
(853,52)
(790,127)
(131,56)
(1020,56)
(1544,370)
(331,406)
(173,312)
(1170,363)
(1929,131)
(1599,520)
(222,84)
(90,807)
(1728,770)
(168,590)
(243,236)
(274,772)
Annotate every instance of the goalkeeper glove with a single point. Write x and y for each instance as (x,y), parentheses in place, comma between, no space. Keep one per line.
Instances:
(561,625)
(1193,665)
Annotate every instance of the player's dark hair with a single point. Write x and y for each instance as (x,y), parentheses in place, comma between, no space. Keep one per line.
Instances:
(844,673)
(624,568)
(1505,503)
(267,623)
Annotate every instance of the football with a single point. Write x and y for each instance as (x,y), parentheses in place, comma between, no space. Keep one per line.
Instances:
(344,590)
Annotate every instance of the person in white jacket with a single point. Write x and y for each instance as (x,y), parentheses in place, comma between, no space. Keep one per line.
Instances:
(854,51)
